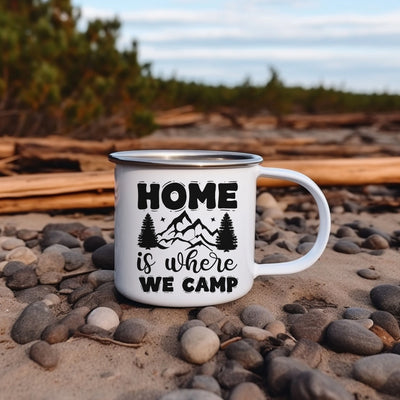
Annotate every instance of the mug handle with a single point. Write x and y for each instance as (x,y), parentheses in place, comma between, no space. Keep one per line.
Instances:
(312,256)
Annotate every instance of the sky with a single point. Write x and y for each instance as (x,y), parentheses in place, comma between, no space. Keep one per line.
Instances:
(342,44)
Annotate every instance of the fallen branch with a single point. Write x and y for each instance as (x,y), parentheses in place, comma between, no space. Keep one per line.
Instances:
(80,190)
(105,340)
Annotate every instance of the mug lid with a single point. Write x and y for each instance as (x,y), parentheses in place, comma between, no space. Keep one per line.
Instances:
(185,158)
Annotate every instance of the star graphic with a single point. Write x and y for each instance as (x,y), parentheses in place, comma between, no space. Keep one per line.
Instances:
(162,219)
(213,219)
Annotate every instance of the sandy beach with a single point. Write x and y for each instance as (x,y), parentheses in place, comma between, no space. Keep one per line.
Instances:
(88,369)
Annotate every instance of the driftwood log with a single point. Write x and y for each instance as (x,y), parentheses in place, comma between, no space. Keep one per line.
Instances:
(95,189)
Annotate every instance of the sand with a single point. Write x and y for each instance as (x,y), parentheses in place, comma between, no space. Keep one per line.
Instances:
(91,370)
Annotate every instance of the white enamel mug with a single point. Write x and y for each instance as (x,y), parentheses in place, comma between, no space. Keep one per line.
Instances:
(185,225)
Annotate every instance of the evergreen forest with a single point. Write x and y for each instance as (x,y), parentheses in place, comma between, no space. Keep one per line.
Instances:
(58,79)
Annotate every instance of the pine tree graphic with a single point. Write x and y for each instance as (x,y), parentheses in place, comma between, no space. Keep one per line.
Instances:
(147,237)
(226,239)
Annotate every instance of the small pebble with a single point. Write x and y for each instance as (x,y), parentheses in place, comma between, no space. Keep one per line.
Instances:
(44,354)
(346,247)
(348,336)
(73,228)
(314,385)
(379,371)
(55,333)
(97,278)
(22,279)
(56,248)
(245,354)
(356,313)
(375,242)
(305,247)
(132,330)
(31,322)
(386,298)
(281,371)
(345,231)
(232,373)
(274,258)
(247,391)
(54,236)
(368,273)
(190,394)
(50,262)
(388,322)
(51,278)
(310,326)
(12,243)
(73,260)
(35,293)
(23,254)
(199,344)
(92,243)
(103,257)
(104,318)
(12,266)
(255,333)
(189,324)
(294,308)
(308,351)
(210,315)
(27,234)
(275,327)
(205,382)
(256,315)
(89,232)
(51,299)
(266,200)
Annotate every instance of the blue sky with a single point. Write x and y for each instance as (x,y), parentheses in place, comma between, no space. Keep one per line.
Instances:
(345,44)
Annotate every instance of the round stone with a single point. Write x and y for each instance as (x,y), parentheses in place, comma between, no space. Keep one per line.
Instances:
(308,351)
(245,354)
(56,248)
(356,313)
(132,330)
(346,247)
(310,326)
(294,308)
(375,242)
(89,232)
(266,200)
(368,273)
(305,247)
(104,318)
(205,382)
(210,315)
(73,260)
(51,278)
(348,336)
(55,333)
(27,234)
(312,385)
(199,344)
(103,257)
(44,354)
(54,236)
(190,394)
(11,267)
(388,322)
(22,279)
(12,243)
(31,322)
(50,262)
(256,315)
(97,278)
(281,371)
(23,254)
(247,390)
(387,298)
(92,243)
(189,324)
(345,231)
(379,371)
(275,327)
(252,332)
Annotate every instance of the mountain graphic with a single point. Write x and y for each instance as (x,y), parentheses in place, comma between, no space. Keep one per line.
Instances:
(183,229)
